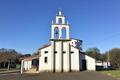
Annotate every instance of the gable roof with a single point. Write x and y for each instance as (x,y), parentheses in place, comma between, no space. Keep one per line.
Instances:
(44,46)
(29,58)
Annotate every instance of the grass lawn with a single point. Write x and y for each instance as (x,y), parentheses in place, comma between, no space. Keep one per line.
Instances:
(2,69)
(5,69)
(87,75)
(113,73)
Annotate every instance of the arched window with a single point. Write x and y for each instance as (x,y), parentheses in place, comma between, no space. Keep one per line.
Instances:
(56,33)
(63,33)
(60,21)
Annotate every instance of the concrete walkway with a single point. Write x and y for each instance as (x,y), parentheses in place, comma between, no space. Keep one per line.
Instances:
(58,76)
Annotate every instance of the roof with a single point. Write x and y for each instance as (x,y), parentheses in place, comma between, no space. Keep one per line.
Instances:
(44,46)
(75,39)
(30,58)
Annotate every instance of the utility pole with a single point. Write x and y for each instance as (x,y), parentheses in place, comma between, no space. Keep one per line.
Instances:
(108,59)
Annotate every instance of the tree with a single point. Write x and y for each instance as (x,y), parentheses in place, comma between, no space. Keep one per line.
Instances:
(35,53)
(8,57)
(94,53)
(104,56)
(114,56)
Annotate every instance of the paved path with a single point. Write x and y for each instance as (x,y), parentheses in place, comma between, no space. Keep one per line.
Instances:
(57,76)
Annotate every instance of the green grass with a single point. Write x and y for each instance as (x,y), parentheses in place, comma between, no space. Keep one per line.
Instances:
(113,73)
(2,69)
(5,69)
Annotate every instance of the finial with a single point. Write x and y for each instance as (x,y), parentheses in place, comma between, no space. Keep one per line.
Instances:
(59,11)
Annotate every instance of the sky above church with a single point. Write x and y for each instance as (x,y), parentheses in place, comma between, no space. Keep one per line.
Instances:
(25,25)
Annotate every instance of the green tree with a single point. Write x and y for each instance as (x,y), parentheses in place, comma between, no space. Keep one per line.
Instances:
(104,56)
(8,57)
(94,53)
(114,56)
(35,53)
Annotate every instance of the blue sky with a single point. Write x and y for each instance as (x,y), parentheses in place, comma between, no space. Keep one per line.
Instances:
(25,24)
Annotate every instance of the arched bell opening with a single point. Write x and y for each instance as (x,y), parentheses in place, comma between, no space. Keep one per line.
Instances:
(56,33)
(64,34)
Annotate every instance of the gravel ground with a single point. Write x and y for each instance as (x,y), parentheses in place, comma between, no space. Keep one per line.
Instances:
(87,75)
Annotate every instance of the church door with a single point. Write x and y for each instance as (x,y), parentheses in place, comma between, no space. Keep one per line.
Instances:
(84,65)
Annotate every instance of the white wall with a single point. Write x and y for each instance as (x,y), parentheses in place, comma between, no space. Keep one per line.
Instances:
(57,60)
(65,57)
(75,59)
(42,65)
(75,65)
(27,64)
(90,62)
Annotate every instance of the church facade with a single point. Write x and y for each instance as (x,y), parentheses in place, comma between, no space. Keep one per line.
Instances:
(63,54)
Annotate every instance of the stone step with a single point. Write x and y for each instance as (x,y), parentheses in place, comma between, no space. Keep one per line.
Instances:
(32,70)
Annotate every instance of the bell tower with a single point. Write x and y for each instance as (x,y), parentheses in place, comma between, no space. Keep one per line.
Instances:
(60,45)
(58,26)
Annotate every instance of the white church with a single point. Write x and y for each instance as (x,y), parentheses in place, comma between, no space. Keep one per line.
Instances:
(63,54)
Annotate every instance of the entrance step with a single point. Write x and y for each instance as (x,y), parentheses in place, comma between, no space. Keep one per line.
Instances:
(32,70)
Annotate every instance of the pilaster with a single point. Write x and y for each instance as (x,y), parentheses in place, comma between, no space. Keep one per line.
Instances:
(60,57)
(68,57)
(52,56)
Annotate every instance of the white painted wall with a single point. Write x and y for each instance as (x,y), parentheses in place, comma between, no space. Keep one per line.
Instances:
(57,60)
(65,58)
(105,64)
(42,65)
(90,62)
(75,59)
(27,64)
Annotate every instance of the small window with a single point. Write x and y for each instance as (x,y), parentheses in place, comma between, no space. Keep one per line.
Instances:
(55,52)
(72,52)
(46,51)
(64,52)
(46,59)
(60,20)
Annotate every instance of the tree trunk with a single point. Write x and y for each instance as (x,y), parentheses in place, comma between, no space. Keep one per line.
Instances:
(9,65)
(0,65)
(4,63)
